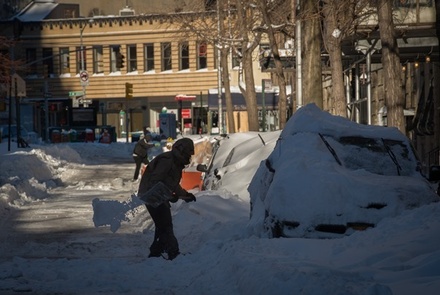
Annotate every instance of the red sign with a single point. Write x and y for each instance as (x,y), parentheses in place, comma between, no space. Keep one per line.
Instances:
(84,76)
(186,113)
(185,97)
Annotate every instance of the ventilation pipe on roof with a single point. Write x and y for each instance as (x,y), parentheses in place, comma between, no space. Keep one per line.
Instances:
(126,11)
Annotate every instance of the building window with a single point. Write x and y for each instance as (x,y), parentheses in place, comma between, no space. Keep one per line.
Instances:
(202,62)
(47,62)
(131,58)
(149,57)
(98,61)
(69,13)
(81,61)
(184,56)
(236,57)
(166,56)
(31,57)
(115,51)
(412,3)
(64,60)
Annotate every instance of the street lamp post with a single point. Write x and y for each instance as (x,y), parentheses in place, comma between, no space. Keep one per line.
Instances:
(219,72)
(82,47)
(83,70)
(82,61)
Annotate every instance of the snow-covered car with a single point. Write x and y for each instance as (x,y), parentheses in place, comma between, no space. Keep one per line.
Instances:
(236,150)
(335,176)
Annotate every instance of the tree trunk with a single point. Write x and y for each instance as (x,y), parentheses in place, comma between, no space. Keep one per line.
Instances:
(247,47)
(332,40)
(394,97)
(249,93)
(225,70)
(279,72)
(311,53)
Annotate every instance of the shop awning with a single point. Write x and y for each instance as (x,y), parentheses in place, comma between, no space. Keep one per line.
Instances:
(239,103)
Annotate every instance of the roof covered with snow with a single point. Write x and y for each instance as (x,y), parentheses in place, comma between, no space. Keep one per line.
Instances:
(36,10)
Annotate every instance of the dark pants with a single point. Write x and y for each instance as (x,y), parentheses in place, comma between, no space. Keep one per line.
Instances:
(164,239)
(138,161)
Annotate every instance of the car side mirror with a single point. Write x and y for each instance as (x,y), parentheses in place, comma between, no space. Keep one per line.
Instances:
(434,173)
(202,168)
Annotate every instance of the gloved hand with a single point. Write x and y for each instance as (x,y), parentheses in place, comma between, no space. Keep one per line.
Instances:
(174,199)
(189,198)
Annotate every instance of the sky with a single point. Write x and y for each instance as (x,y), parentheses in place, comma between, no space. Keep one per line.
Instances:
(71,222)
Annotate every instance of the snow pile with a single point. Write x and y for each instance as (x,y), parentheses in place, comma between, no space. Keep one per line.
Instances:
(53,243)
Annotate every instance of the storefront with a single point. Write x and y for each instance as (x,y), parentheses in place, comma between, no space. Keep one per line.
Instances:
(267,104)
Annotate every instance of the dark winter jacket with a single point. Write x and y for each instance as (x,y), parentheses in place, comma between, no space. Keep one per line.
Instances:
(141,148)
(167,168)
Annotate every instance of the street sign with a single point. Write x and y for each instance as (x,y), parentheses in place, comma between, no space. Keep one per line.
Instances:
(21,85)
(267,84)
(84,77)
(186,113)
(81,100)
(75,93)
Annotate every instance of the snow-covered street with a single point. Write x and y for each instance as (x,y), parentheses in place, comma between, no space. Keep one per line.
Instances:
(51,244)
(60,224)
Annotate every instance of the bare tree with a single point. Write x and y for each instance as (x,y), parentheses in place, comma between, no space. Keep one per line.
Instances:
(240,39)
(333,13)
(311,52)
(249,40)
(340,18)
(7,64)
(394,96)
(5,61)
(273,24)
(210,27)
(224,48)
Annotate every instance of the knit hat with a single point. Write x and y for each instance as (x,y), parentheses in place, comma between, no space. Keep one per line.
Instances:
(184,145)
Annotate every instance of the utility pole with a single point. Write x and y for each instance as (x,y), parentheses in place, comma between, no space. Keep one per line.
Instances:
(84,76)
(219,72)
(82,59)
(299,99)
(11,50)
(46,108)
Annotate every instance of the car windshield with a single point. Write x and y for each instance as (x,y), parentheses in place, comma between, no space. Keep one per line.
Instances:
(376,155)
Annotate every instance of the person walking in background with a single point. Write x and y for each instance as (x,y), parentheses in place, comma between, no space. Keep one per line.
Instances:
(105,137)
(140,153)
(166,169)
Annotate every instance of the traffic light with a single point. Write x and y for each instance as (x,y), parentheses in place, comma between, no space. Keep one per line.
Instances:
(128,90)
(119,60)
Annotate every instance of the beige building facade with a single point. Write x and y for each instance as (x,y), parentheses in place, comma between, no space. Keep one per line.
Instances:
(166,67)
(158,63)
(164,64)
